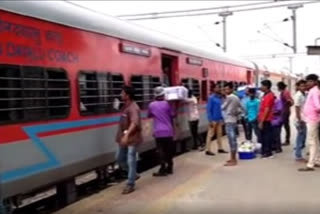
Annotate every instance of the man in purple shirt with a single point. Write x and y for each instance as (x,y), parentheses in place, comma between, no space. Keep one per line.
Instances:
(276,124)
(163,114)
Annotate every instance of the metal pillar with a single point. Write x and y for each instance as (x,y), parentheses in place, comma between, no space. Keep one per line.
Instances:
(224,16)
(294,25)
(290,64)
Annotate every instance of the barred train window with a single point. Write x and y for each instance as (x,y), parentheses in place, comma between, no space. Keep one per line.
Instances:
(144,86)
(192,84)
(99,92)
(29,93)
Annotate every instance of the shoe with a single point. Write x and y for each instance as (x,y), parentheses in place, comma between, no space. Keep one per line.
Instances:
(286,144)
(201,149)
(194,148)
(221,151)
(267,156)
(138,177)
(306,169)
(161,173)
(169,170)
(210,153)
(128,189)
(279,151)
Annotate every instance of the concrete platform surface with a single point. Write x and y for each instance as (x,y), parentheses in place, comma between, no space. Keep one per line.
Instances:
(201,184)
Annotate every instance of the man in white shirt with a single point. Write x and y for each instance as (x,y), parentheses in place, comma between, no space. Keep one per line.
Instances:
(299,100)
(193,117)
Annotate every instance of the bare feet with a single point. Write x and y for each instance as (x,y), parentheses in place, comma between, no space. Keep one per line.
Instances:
(230,163)
(302,160)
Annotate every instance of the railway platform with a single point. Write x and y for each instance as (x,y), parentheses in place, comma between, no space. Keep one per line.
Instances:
(201,184)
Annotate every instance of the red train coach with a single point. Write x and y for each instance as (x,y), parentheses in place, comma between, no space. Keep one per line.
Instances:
(61,70)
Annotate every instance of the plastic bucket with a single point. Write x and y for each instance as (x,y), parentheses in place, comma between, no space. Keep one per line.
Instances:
(246,155)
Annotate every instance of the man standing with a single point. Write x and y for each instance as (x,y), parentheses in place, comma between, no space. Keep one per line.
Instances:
(194,116)
(232,108)
(265,118)
(299,100)
(244,122)
(311,113)
(252,110)
(276,125)
(287,101)
(129,136)
(215,119)
(163,114)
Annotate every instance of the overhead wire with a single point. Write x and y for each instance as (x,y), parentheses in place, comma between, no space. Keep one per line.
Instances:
(194,10)
(219,12)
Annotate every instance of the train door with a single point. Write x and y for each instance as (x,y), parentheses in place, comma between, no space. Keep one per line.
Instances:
(169,66)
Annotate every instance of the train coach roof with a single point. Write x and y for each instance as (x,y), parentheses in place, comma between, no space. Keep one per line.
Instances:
(68,14)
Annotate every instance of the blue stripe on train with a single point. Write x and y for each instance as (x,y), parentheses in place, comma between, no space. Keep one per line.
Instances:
(33,131)
(53,162)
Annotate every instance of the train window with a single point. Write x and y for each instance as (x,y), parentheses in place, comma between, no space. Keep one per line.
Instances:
(30,93)
(99,92)
(192,84)
(196,88)
(144,86)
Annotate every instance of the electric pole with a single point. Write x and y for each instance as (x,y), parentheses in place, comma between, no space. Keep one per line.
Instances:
(294,25)
(224,16)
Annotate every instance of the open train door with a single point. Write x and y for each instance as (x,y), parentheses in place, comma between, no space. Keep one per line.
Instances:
(169,65)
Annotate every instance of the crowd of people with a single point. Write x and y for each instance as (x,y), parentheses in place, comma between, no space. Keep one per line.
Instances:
(265,114)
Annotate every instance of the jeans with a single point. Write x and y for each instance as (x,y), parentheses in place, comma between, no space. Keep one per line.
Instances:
(126,158)
(301,139)
(266,139)
(165,148)
(253,125)
(232,136)
(194,131)
(276,138)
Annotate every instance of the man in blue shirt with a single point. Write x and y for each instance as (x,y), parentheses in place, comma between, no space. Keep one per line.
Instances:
(252,110)
(215,119)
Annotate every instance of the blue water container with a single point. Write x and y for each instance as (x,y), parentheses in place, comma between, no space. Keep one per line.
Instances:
(247,155)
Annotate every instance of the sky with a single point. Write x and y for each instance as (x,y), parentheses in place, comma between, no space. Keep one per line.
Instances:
(254,35)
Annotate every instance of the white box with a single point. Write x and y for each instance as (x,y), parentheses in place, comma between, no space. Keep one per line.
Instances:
(176,93)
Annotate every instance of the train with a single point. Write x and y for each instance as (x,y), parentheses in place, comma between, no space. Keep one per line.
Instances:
(62,67)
